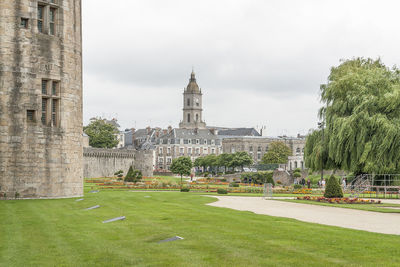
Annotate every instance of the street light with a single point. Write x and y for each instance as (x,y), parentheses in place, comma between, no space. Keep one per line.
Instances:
(321,126)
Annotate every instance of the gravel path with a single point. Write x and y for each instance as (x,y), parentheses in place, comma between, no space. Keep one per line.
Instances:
(385,223)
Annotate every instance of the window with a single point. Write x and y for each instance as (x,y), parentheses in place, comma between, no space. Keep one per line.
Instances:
(266,148)
(160,150)
(251,148)
(161,160)
(212,142)
(197,151)
(169,160)
(189,141)
(44,87)
(212,151)
(168,150)
(189,150)
(52,21)
(40,18)
(258,155)
(188,118)
(50,103)
(181,150)
(188,102)
(197,141)
(295,164)
(47,18)
(30,116)
(197,117)
(259,149)
(24,23)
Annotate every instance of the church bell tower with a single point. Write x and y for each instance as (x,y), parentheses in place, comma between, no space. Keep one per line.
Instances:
(192,106)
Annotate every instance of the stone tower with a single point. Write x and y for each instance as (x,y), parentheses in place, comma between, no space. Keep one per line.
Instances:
(192,106)
(41,98)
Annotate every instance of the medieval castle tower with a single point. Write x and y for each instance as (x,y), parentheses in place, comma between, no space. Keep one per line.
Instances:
(41,98)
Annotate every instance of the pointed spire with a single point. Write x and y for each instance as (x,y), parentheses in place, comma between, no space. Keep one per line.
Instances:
(192,76)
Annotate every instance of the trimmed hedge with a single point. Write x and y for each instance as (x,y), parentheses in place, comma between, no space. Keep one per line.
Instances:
(333,188)
(259,177)
(222,191)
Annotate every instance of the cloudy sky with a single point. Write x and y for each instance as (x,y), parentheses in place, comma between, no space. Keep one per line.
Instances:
(258,62)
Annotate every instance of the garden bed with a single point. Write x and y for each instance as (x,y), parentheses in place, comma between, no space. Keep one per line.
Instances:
(343,200)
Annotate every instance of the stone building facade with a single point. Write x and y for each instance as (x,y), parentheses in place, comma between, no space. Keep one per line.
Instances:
(257,146)
(41,98)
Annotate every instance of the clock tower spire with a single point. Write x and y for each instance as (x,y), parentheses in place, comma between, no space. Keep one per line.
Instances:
(192,106)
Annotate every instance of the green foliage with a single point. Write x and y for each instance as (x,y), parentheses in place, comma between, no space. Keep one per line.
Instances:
(259,177)
(278,153)
(297,186)
(101,134)
(16,195)
(361,111)
(234,184)
(222,191)
(181,166)
(185,189)
(133,175)
(297,173)
(119,173)
(225,160)
(333,188)
(241,159)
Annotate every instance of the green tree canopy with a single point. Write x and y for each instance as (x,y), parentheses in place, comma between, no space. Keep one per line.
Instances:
(181,166)
(241,159)
(362,116)
(278,152)
(101,134)
(225,160)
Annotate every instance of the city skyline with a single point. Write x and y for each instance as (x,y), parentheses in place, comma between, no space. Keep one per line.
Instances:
(257,63)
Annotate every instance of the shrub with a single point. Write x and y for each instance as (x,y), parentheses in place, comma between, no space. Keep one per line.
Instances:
(119,173)
(297,170)
(297,186)
(296,174)
(333,188)
(185,189)
(234,184)
(222,191)
(223,180)
(16,195)
(278,182)
(133,175)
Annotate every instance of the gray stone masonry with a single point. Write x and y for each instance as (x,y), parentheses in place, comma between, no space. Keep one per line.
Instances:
(40,44)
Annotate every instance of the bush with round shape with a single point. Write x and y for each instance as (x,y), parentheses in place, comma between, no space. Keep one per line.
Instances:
(222,191)
(333,188)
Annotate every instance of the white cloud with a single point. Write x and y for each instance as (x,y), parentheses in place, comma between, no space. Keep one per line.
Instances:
(272,55)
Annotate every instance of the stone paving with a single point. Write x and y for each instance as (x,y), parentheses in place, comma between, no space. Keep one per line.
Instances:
(385,223)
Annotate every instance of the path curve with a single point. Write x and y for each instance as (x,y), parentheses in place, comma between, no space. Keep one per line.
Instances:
(385,223)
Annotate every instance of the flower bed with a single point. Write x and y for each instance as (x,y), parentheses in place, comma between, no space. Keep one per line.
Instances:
(344,200)
(303,191)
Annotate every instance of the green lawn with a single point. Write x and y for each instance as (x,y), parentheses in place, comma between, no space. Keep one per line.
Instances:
(385,208)
(62,233)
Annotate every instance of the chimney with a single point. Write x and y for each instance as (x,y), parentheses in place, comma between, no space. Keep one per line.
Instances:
(169,129)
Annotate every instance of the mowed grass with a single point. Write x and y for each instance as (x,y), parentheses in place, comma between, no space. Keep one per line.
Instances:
(62,233)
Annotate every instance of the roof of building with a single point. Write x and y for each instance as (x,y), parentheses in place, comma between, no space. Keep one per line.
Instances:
(182,133)
(239,132)
(192,86)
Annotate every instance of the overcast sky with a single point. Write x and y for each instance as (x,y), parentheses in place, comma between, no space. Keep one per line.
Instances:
(257,62)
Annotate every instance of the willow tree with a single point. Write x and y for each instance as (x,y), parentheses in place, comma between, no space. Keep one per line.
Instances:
(361,110)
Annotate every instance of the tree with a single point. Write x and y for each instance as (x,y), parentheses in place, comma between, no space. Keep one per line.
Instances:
(241,159)
(225,160)
(181,166)
(333,188)
(278,153)
(101,134)
(133,175)
(361,110)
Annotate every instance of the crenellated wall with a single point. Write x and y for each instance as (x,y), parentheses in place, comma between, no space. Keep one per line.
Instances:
(99,162)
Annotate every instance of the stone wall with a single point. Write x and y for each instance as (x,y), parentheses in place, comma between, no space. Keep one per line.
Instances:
(99,162)
(40,156)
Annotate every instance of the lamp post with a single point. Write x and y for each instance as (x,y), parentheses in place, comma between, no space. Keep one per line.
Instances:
(321,126)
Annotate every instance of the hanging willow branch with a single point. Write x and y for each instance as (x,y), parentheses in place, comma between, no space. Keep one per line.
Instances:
(362,115)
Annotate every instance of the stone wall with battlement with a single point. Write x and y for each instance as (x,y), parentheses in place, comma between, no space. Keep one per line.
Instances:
(99,162)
